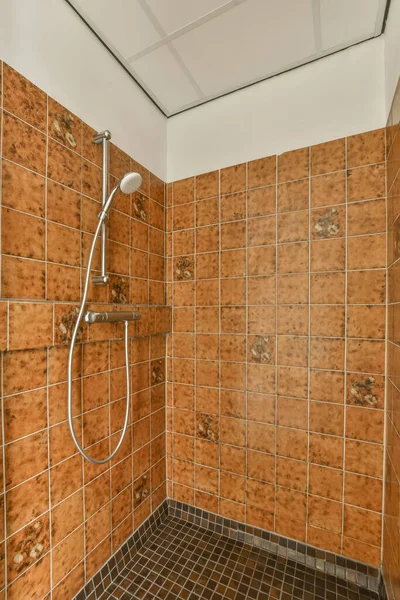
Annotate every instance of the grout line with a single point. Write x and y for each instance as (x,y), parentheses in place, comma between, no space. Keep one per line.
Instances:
(172,276)
(270,216)
(385,397)
(47,358)
(109,434)
(3,459)
(1,179)
(195,344)
(246,338)
(308,352)
(219,225)
(3,453)
(276,339)
(346,344)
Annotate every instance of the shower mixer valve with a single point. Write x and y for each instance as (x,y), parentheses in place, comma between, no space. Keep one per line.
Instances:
(112,317)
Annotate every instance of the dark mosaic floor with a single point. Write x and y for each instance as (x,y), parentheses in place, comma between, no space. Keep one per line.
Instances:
(181,560)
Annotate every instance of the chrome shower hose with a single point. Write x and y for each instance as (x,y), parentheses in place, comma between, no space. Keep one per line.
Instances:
(70,357)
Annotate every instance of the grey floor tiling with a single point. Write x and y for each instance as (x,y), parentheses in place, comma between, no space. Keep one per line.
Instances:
(182,560)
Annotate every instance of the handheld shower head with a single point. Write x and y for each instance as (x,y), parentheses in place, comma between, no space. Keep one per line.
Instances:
(129,183)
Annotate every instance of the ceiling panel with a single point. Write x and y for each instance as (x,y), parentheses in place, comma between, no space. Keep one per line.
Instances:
(122,23)
(347,21)
(174,14)
(186,52)
(250,40)
(160,73)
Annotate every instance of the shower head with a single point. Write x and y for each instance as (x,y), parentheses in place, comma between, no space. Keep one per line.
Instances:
(128,184)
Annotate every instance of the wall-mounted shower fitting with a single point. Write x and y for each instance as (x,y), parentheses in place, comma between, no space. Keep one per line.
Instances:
(127,185)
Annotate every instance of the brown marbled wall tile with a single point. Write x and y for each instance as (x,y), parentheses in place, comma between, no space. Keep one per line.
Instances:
(328,157)
(63,244)
(26,502)
(37,578)
(31,325)
(367,251)
(26,458)
(183,191)
(325,514)
(262,172)
(293,165)
(367,287)
(24,145)
(261,201)
(367,217)
(293,226)
(207,186)
(91,181)
(22,278)
(64,166)
(67,555)
(233,179)
(328,222)
(326,482)
(366,148)
(328,189)
(293,195)
(27,546)
(22,235)
(63,126)
(24,99)
(367,182)
(22,189)
(63,283)
(16,410)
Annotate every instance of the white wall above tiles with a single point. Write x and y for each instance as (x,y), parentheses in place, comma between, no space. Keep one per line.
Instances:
(185,52)
(392,53)
(336,96)
(49,44)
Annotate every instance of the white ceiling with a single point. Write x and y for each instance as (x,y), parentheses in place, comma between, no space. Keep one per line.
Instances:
(187,52)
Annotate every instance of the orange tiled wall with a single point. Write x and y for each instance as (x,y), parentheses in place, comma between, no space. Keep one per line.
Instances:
(276,272)
(391,538)
(64,517)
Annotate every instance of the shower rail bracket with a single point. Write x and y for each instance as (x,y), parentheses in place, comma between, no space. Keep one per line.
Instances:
(100,279)
(114,316)
(102,135)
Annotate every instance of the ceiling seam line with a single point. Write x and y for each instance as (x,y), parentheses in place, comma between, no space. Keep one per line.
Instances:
(316,13)
(186,28)
(181,63)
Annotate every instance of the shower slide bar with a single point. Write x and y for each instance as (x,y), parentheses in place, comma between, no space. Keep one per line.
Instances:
(128,184)
(103,138)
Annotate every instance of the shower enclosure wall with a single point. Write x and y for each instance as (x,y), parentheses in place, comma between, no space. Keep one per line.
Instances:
(63,516)
(273,414)
(277,278)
